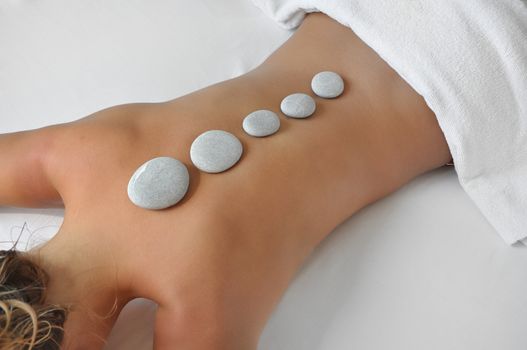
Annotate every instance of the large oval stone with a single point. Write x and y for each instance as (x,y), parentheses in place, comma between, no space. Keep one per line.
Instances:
(327,84)
(159,183)
(298,105)
(215,151)
(261,123)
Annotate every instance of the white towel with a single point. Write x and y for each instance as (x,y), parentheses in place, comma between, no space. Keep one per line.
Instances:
(468,59)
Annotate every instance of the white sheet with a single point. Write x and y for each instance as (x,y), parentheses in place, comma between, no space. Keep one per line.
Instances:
(421,269)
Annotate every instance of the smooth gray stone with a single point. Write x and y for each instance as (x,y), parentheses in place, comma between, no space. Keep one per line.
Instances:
(298,105)
(159,183)
(327,84)
(215,151)
(261,123)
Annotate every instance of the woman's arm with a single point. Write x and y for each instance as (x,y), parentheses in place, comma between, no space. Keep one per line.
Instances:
(24,170)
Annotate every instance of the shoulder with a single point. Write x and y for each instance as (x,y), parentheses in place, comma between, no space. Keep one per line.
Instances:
(79,153)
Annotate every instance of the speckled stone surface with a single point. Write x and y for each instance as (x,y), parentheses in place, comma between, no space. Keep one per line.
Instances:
(159,183)
(298,105)
(215,151)
(327,84)
(261,123)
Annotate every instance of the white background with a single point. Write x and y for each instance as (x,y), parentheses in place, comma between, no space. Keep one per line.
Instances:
(421,269)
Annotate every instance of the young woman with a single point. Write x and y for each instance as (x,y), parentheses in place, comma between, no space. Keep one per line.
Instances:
(218,262)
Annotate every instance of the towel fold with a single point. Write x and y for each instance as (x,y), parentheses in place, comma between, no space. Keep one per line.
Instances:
(468,59)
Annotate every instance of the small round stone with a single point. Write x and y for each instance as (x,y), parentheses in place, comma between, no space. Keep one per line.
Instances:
(298,105)
(327,84)
(159,183)
(261,123)
(215,151)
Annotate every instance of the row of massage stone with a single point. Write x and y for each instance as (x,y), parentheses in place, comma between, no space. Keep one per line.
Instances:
(162,182)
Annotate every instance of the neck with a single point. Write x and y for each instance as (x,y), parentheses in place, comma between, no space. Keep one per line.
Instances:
(84,278)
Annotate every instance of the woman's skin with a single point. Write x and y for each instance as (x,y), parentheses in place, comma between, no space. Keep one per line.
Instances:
(219,261)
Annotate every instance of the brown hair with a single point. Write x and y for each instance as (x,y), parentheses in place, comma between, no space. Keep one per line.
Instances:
(26,321)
